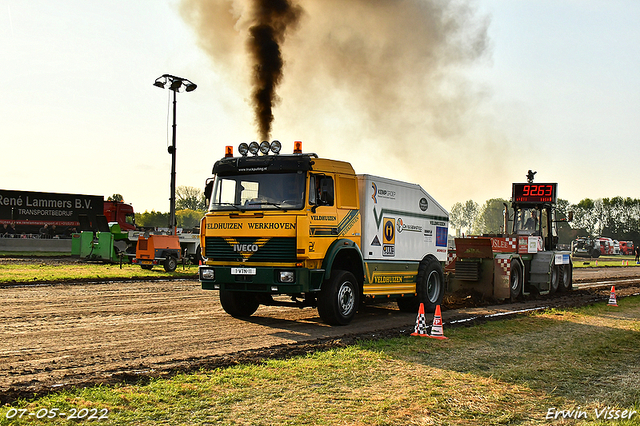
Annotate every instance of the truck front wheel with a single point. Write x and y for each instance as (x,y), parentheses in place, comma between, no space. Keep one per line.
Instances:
(338,299)
(239,304)
(430,283)
(566,273)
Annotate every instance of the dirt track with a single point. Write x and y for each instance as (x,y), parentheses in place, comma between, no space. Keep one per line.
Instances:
(60,335)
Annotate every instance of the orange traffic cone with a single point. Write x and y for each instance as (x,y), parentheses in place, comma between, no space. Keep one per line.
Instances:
(421,325)
(612,297)
(436,328)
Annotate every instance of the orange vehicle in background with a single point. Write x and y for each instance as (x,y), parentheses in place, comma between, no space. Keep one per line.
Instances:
(158,250)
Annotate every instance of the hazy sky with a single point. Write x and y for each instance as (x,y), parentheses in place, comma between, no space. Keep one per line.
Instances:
(502,87)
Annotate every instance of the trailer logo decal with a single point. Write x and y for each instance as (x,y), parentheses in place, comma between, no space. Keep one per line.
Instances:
(441,236)
(424,204)
(401,226)
(389,237)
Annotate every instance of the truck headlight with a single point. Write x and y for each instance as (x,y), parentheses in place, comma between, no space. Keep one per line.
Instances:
(286,277)
(207,273)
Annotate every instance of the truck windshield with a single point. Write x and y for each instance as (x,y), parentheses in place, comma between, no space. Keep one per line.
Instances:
(259,191)
(527,221)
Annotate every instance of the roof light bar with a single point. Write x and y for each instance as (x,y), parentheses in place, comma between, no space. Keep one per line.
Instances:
(264,147)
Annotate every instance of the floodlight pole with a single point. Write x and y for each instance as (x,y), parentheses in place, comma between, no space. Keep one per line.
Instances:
(172,150)
(175,84)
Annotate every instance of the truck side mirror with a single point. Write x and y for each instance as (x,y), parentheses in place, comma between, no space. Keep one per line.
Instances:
(208,189)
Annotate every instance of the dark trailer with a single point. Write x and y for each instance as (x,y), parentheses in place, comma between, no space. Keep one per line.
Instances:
(30,211)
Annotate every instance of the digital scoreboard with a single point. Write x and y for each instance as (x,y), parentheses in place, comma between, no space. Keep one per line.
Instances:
(535,193)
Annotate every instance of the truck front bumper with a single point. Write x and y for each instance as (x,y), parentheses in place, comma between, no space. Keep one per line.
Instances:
(261,279)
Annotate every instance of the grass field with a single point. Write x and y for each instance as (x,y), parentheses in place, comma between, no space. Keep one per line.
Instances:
(577,363)
(45,271)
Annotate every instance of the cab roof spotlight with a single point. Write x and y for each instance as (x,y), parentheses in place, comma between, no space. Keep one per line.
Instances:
(276,146)
(243,149)
(254,148)
(264,147)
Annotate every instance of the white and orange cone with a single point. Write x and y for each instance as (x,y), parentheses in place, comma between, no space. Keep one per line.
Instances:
(421,324)
(436,328)
(612,298)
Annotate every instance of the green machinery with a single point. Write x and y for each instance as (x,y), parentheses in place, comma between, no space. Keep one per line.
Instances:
(107,244)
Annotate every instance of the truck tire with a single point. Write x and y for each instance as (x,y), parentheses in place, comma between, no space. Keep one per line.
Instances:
(566,277)
(339,297)
(554,279)
(515,280)
(430,283)
(170,264)
(239,304)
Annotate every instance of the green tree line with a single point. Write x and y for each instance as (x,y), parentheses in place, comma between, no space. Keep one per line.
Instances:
(617,218)
(190,207)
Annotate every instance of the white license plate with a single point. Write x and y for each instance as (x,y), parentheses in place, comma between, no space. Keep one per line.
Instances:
(243,271)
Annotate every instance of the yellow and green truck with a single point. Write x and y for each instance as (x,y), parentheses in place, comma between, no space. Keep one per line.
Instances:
(313,230)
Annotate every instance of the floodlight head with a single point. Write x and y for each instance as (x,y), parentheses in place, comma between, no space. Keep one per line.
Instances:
(159,84)
(190,87)
(175,85)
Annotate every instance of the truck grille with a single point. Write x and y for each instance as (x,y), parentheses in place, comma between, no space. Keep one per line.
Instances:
(277,249)
(468,271)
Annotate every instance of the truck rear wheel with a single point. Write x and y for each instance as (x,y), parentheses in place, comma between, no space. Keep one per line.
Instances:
(239,304)
(430,283)
(554,282)
(515,281)
(339,297)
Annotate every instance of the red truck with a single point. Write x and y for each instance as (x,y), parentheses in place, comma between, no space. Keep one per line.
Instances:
(626,247)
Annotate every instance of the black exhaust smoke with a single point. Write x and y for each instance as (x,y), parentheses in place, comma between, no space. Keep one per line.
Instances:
(272,19)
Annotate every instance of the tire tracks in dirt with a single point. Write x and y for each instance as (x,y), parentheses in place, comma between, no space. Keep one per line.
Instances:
(55,336)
